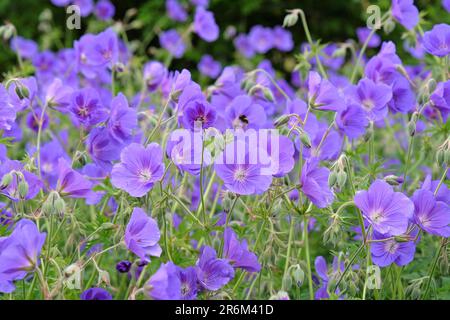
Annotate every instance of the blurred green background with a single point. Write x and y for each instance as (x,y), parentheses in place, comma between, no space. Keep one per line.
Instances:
(329,20)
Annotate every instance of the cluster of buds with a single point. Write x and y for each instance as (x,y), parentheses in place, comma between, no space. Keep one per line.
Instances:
(17,179)
(54,204)
(443,153)
(295,275)
(338,176)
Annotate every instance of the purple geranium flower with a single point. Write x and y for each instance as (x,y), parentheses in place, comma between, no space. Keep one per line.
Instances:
(437,41)
(386,210)
(19,253)
(324,275)
(209,67)
(154,74)
(25,48)
(244,46)
(142,235)
(363,34)
(352,121)
(205,26)
(86,6)
(440,99)
(238,254)
(314,183)
(322,94)
(20,175)
(7,111)
(104,10)
(176,11)
(239,172)
(165,284)
(102,147)
(199,114)
(282,39)
(139,169)
(371,97)
(87,107)
(172,41)
(186,151)
(406,13)
(103,49)
(431,215)
(71,183)
(213,273)
(95,294)
(446,5)
(243,113)
(261,38)
(58,95)
(189,284)
(122,119)
(388,251)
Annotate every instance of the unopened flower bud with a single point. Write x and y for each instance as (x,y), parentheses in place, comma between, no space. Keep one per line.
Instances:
(22,91)
(447,157)
(123,266)
(23,189)
(332,178)
(440,156)
(60,206)
(393,180)
(6,180)
(268,95)
(290,19)
(287,282)
(304,138)
(431,86)
(341,179)
(389,26)
(412,128)
(248,84)
(298,275)
(281,121)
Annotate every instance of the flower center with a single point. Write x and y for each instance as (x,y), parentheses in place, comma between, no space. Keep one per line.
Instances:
(145,175)
(240,174)
(368,104)
(391,246)
(377,216)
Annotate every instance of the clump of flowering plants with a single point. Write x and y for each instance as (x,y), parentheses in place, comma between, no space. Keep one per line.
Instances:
(122,178)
